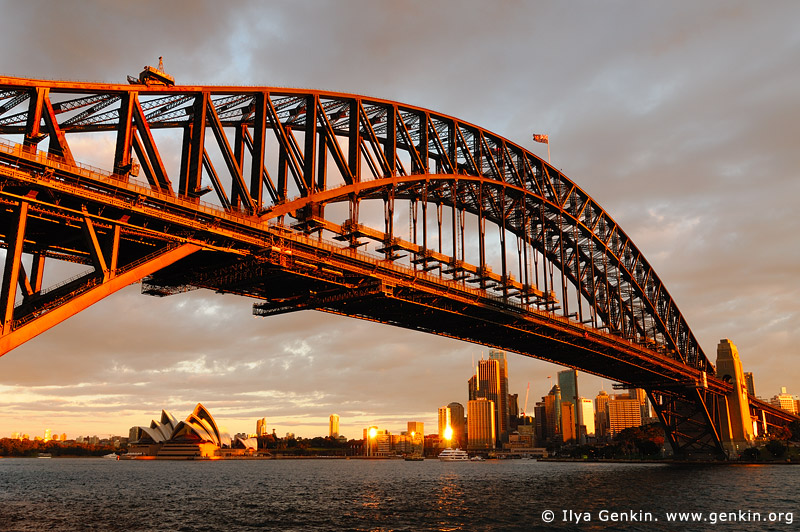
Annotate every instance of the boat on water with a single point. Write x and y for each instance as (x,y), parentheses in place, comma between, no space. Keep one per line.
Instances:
(476,458)
(415,457)
(453,455)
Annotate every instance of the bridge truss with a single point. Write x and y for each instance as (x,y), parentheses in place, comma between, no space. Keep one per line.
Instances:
(295,198)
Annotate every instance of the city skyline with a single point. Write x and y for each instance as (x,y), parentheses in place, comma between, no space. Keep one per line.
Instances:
(684,133)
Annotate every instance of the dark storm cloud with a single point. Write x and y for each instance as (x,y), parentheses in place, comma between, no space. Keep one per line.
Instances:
(680,118)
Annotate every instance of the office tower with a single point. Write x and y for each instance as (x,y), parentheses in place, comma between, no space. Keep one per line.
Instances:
(601,413)
(623,413)
(481,425)
(47,435)
(644,404)
(491,382)
(444,421)
(552,404)
(784,401)
(502,410)
(751,386)
(458,423)
(513,405)
(568,422)
(333,426)
(513,412)
(568,382)
(261,427)
(417,427)
(63,436)
(540,423)
(586,409)
(415,436)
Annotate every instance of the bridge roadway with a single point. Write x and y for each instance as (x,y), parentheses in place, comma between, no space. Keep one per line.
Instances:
(53,208)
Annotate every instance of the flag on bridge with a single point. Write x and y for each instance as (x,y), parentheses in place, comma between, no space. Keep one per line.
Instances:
(541,138)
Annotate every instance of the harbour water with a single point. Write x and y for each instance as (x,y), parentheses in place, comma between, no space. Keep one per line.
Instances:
(392,495)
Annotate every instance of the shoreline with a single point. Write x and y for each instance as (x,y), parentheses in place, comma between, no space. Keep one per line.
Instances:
(666,461)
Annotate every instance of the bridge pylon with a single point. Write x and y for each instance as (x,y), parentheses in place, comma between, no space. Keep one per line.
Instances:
(736,428)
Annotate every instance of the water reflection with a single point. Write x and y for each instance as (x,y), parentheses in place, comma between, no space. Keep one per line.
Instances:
(386,496)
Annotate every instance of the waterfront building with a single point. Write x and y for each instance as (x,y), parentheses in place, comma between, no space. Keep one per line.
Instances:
(261,427)
(369,440)
(784,401)
(623,413)
(333,426)
(601,413)
(417,428)
(416,435)
(751,386)
(198,436)
(481,425)
(384,443)
(586,413)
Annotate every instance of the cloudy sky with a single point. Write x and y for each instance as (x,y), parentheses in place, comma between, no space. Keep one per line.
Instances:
(680,118)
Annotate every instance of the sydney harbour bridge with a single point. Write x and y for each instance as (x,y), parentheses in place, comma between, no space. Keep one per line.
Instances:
(300,198)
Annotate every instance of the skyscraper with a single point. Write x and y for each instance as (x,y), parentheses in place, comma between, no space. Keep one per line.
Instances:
(481,425)
(417,427)
(444,422)
(623,413)
(552,405)
(586,409)
(644,403)
(261,427)
(540,423)
(458,423)
(751,385)
(568,382)
(333,426)
(491,382)
(601,413)
(568,422)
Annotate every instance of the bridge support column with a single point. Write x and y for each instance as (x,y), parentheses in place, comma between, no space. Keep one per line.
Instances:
(737,427)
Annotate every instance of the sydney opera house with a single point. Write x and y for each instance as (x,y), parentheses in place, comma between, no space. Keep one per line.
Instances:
(197,437)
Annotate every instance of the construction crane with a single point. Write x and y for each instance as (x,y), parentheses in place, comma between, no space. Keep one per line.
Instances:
(153,76)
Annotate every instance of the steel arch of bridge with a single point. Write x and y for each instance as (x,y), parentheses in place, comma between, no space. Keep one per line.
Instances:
(279,157)
(474,171)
